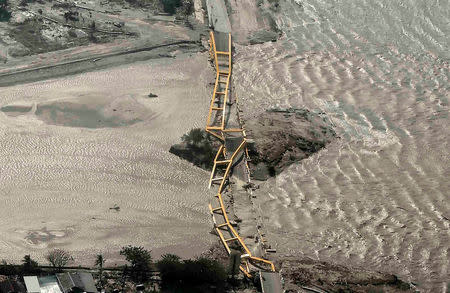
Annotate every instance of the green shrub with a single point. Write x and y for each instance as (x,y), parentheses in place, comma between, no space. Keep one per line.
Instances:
(30,266)
(170,6)
(204,271)
(5,15)
(8,269)
(202,149)
(140,260)
(190,275)
(170,268)
(196,137)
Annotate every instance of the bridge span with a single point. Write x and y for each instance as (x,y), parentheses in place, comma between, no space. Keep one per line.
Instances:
(224,123)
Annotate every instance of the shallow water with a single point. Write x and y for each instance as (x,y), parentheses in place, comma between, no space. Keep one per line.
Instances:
(15,110)
(80,115)
(377,197)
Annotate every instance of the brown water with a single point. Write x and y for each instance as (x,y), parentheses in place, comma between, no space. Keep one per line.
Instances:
(377,197)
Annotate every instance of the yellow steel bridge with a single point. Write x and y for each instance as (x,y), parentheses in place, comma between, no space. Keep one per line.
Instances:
(232,152)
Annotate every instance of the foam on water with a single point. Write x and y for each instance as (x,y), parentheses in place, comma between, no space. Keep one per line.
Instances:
(377,197)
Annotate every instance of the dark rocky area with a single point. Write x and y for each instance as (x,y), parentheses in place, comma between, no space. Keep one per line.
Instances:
(317,276)
(263,36)
(280,137)
(197,147)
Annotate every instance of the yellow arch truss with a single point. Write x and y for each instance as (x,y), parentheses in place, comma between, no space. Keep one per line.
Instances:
(216,126)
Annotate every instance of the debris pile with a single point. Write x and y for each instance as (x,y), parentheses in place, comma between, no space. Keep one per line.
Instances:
(280,137)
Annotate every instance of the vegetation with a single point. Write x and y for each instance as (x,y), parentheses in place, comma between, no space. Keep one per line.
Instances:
(99,262)
(177,276)
(199,275)
(196,137)
(170,6)
(170,267)
(8,269)
(186,8)
(29,266)
(5,15)
(183,7)
(58,258)
(197,147)
(140,260)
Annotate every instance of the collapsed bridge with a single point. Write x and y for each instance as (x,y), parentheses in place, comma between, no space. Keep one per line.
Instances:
(231,154)
(224,123)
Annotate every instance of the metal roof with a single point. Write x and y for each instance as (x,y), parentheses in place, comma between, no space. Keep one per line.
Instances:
(80,280)
(49,284)
(32,284)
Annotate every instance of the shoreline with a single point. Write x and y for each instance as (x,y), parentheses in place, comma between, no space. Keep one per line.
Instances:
(97,62)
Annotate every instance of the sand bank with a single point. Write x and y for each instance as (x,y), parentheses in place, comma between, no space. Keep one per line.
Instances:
(61,178)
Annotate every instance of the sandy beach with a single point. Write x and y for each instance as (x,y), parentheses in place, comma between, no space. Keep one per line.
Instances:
(61,178)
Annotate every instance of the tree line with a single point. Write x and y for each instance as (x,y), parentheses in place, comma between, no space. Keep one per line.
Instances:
(176,275)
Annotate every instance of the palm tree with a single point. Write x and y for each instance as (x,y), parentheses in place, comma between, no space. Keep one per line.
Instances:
(99,263)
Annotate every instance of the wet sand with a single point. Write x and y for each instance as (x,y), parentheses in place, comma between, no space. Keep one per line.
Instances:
(60,177)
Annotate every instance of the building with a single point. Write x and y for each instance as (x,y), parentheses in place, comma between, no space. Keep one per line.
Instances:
(32,284)
(47,284)
(77,282)
(74,282)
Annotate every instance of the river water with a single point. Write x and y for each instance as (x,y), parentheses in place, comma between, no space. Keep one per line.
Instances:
(377,197)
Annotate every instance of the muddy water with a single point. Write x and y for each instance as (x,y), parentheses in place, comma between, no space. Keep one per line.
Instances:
(377,197)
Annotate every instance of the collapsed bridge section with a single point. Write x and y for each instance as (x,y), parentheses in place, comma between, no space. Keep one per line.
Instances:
(231,154)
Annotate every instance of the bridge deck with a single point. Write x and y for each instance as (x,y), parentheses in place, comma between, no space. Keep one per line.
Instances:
(270,282)
(231,155)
